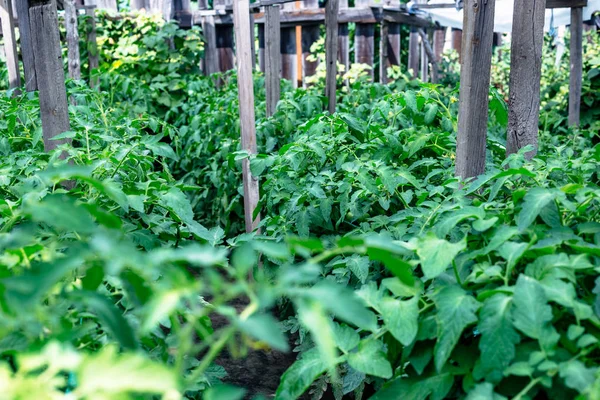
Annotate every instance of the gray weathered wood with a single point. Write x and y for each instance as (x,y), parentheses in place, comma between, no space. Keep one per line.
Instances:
(92,45)
(45,41)
(110,5)
(576,75)
(456,41)
(289,62)
(253,41)
(424,61)
(478,25)
(383,52)
(10,43)
(389,45)
(22,7)
(247,118)
(343,41)
(364,41)
(331,44)
(211,56)
(310,34)
(430,56)
(224,39)
(182,12)
(73,56)
(439,40)
(527,40)
(139,5)
(413,52)
(565,3)
(272,58)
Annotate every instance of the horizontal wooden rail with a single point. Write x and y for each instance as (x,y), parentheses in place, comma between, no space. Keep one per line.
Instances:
(566,3)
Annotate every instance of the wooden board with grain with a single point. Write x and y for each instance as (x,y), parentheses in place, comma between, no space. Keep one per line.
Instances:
(576,66)
(331,53)
(10,44)
(364,41)
(22,7)
(71,25)
(272,58)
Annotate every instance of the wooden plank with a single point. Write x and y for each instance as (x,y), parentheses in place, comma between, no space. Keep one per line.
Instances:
(331,53)
(241,16)
(576,76)
(45,41)
(430,56)
(402,18)
(224,38)
(343,38)
(261,47)
(478,24)
(383,52)
(439,40)
(253,41)
(211,56)
(10,44)
(110,5)
(289,67)
(272,58)
(527,40)
(413,52)
(424,60)
(25,41)
(92,45)
(182,12)
(390,45)
(310,34)
(139,5)
(364,41)
(566,3)
(456,41)
(73,57)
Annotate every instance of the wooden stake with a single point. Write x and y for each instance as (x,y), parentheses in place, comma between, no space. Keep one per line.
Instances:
(247,118)
(343,42)
(389,46)
(74,59)
(272,58)
(211,56)
(47,55)
(331,44)
(575,80)
(224,39)
(383,50)
(364,41)
(289,65)
(26,49)
(478,25)
(92,43)
(10,44)
(439,40)
(457,41)
(261,47)
(430,56)
(525,75)
(424,60)
(310,34)
(413,52)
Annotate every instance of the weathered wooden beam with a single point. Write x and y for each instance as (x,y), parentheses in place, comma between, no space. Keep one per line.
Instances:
(182,12)
(47,55)
(310,34)
(92,45)
(527,40)
(364,41)
(343,38)
(272,58)
(139,5)
(261,47)
(566,3)
(478,25)
(389,46)
(439,40)
(26,48)
(10,43)
(211,56)
(73,56)
(289,66)
(413,52)
(456,41)
(576,76)
(430,56)
(247,117)
(224,37)
(331,44)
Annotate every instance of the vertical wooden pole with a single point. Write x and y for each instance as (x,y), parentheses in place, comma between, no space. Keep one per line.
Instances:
(364,40)
(299,58)
(413,52)
(261,47)
(139,5)
(224,38)
(10,43)
(331,44)
(73,57)
(383,52)
(576,65)
(26,49)
(424,59)
(525,75)
(343,41)
(289,66)
(389,46)
(439,40)
(246,97)
(211,56)
(92,44)
(272,57)
(430,56)
(457,41)
(182,11)
(253,41)
(45,41)
(103,4)
(478,25)
(310,34)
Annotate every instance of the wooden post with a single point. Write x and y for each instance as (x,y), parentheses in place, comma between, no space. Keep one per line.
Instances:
(261,47)
(525,75)
(289,66)
(331,44)
(10,43)
(92,44)
(364,40)
(252,41)
(139,5)
(26,49)
(390,45)
(343,41)
(103,4)
(241,17)
(45,41)
(182,11)
(457,41)
(430,56)
(272,58)
(224,39)
(424,59)
(413,52)
(383,52)
(310,34)
(439,40)
(478,25)
(576,65)
(211,56)
(74,59)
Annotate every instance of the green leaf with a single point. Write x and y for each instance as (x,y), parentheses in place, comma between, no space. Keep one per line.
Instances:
(401,318)
(444,227)
(301,375)
(61,212)
(435,254)
(498,337)
(265,328)
(411,100)
(359,267)
(535,200)
(576,375)
(455,311)
(531,312)
(313,317)
(431,110)
(346,338)
(224,392)
(370,359)
(402,388)
(484,391)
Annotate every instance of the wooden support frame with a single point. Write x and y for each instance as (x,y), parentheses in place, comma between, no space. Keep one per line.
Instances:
(413,52)
(343,38)
(566,3)
(331,44)
(10,44)
(92,45)
(71,25)
(26,48)
(389,46)
(289,60)
(478,33)
(247,116)
(576,67)
(364,41)
(310,34)
(272,58)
